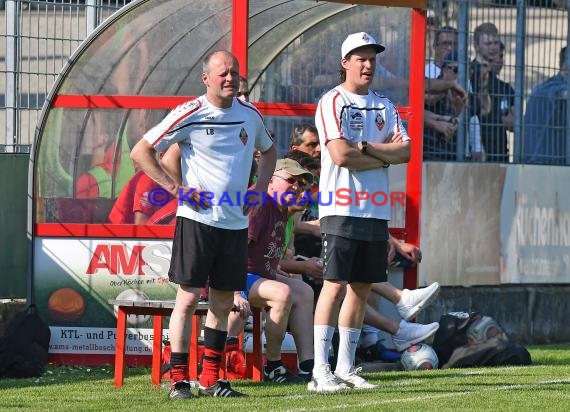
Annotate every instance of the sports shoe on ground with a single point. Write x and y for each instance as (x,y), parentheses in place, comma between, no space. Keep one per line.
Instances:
(325,381)
(411,333)
(221,388)
(413,301)
(355,381)
(306,376)
(180,390)
(281,375)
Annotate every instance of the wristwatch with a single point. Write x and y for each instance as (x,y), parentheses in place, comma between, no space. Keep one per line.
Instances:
(363,146)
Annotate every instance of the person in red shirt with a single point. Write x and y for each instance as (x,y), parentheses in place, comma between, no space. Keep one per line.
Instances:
(133,204)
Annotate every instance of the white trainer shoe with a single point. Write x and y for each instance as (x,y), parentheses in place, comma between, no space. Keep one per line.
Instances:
(325,381)
(411,333)
(413,301)
(353,380)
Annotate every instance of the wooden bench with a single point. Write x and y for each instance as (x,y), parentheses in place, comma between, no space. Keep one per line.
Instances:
(159,308)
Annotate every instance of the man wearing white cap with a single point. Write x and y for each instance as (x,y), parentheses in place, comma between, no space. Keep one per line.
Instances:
(360,134)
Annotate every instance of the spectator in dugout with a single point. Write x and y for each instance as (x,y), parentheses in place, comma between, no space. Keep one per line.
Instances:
(288,300)
(134,205)
(305,138)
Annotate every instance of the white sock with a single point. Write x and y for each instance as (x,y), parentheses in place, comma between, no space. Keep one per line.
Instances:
(323,335)
(348,342)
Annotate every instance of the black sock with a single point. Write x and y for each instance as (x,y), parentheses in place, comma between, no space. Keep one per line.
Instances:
(215,339)
(272,365)
(307,366)
(178,358)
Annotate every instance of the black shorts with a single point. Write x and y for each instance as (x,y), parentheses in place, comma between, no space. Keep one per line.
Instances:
(354,260)
(201,252)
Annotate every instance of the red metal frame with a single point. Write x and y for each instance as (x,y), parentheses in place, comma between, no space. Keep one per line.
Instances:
(240,33)
(415,129)
(158,313)
(414,113)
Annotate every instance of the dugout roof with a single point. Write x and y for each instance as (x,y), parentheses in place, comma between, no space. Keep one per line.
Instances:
(147,58)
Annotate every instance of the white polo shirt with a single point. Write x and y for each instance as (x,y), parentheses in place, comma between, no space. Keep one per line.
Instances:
(217,150)
(344,115)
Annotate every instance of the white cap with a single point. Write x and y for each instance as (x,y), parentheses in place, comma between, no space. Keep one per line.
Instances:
(356,40)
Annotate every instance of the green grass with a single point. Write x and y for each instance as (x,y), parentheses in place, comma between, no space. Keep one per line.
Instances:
(545,386)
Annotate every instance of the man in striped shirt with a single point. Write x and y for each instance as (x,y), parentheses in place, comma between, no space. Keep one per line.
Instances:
(217,134)
(360,134)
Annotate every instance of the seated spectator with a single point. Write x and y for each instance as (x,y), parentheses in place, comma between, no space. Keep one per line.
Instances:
(166,215)
(133,204)
(110,171)
(545,120)
(289,301)
(243,92)
(305,138)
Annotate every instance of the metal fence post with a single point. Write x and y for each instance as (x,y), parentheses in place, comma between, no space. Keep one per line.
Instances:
(91,16)
(12,70)
(519,80)
(567,60)
(462,147)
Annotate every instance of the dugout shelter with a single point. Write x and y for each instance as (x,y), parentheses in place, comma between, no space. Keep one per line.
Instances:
(136,66)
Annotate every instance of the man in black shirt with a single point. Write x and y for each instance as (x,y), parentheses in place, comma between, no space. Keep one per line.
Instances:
(493,125)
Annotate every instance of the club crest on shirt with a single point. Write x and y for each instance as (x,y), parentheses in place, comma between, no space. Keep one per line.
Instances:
(243,136)
(380,121)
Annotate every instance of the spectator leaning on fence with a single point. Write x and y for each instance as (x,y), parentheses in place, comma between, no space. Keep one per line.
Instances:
(545,121)
(445,41)
(442,116)
(487,45)
(501,117)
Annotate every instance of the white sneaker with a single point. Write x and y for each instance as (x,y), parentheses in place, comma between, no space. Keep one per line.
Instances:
(324,381)
(354,381)
(413,301)
(411,333)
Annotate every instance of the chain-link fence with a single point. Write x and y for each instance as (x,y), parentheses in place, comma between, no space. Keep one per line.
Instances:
(501,97)
(36,40)
(506,56)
